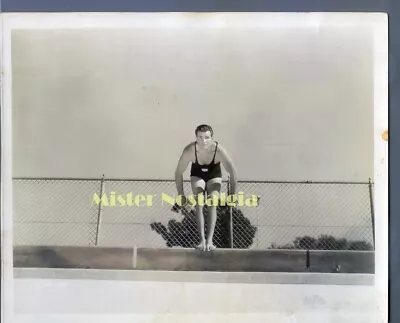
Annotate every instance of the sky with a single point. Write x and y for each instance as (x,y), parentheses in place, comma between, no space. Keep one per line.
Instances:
(286,103)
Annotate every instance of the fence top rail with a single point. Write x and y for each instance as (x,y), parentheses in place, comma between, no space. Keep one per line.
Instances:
(99,179)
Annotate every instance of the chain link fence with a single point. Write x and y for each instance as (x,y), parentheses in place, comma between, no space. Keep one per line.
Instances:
(126,213)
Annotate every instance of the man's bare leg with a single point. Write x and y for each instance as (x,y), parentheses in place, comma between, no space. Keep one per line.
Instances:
(213,189)
(212,220)
(198,187)
(200,226)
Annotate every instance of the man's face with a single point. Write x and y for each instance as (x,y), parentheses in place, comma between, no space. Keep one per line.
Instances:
(204,139)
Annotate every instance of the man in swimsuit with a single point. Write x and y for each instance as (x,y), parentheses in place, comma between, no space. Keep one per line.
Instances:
(206,156)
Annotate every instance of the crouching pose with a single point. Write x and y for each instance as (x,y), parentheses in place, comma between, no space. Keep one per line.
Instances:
(206,156)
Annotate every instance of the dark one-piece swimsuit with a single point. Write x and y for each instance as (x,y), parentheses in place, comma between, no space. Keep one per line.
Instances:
(206,172)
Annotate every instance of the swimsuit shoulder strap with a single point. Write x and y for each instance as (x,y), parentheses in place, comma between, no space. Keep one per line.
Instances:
(195,151)
(215,152)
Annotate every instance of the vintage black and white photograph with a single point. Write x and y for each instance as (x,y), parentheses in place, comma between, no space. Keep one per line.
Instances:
(197,163)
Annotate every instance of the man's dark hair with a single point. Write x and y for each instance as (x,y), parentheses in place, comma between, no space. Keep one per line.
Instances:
(204,128)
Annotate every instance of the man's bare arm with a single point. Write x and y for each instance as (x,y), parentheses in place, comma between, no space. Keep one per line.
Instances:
(183,163)
(228,164)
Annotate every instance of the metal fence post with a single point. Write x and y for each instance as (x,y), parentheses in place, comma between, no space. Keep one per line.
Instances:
(371,202)
(230,215)
(99,211)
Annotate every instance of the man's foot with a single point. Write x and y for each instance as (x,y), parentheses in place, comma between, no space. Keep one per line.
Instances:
(201,246)
(210,247)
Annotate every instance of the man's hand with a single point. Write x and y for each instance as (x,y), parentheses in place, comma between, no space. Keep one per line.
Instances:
(179,206)
(183,201)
